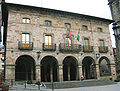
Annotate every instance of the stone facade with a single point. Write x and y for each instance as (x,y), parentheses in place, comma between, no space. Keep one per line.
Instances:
(37,30)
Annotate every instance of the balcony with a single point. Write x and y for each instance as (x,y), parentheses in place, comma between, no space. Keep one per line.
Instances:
(25,46)
(72,48)
(51,47)
(103,49)
(88,48)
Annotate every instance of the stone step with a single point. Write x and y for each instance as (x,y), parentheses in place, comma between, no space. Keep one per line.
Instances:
(74,84)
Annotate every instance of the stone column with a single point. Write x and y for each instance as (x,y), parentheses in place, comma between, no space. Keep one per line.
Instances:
(10,71)
(113,71)
(61,73)
(80,71)
(97,71)
(38,72)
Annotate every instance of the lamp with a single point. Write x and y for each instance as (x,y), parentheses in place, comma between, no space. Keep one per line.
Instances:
(116,29)
(97,55)
(38,54)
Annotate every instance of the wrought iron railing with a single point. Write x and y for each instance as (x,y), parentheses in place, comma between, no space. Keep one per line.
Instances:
(25,46)
(67,48)
(50,47)
(103,49)
(87,48)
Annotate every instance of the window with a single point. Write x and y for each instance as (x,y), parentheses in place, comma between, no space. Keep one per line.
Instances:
(48,23)
(67,25)
(48,41)
(99,29)
(86,43)
(26,20)
(101,43)
(84,27)
(68,42)
(25,39)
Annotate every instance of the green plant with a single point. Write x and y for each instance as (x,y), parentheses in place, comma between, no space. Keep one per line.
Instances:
(29,82)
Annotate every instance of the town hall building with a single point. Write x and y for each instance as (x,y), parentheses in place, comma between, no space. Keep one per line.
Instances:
(52,45)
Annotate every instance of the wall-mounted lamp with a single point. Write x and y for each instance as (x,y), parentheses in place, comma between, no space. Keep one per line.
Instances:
(97,55)
(38,54)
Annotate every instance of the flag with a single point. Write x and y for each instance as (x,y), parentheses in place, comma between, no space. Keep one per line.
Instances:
(78,37)
(70,37)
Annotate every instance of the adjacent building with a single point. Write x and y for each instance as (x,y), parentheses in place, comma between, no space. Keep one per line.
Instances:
(115,11)
(53,45)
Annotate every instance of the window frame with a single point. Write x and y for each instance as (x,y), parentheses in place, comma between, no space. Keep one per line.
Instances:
(99,29)
(67,25)
(102,44)
(48,23)
(86,41)
(25,43)
(49,44)
(25,20)
(84,27)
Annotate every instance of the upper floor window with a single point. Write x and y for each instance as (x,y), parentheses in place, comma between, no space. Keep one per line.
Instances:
(68,42)
(48,23)
(48,41)
(84,27)
(25,38)
(67,25)
(86,42)
(99,29)
(101,42)
(26,20)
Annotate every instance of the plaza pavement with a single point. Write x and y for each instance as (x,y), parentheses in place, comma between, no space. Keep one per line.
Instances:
(113,87)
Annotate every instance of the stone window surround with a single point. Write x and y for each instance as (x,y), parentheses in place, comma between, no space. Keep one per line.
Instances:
(51,34)
(26,18)
(26,33)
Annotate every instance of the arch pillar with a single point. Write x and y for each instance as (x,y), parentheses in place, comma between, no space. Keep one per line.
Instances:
(79,71)
(10,71)
(60,73)
(113,71)
(97,71)
(38,72)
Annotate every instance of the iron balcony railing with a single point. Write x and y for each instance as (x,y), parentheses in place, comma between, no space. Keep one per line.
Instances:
(69,48)
(87,48)
(25,46)
(50,47)
(103,49)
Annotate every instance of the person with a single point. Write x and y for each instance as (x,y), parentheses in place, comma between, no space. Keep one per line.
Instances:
(82,78)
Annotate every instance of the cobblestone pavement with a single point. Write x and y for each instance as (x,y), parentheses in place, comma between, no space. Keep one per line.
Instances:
(114,87)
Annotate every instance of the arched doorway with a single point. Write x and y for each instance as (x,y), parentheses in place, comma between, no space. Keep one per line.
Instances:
(70,69)
(88,68)
(104,66)
(25,68)
(49,69)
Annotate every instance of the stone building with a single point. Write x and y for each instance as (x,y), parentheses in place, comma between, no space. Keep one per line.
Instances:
(115,11)
(52,45)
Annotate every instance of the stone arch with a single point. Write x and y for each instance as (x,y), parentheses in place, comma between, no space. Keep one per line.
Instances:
(49,69)
(70,68)
(25,68)
(104,66)
(88,68)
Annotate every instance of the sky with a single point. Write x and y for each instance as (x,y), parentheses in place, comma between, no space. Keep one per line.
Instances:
(98,8)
